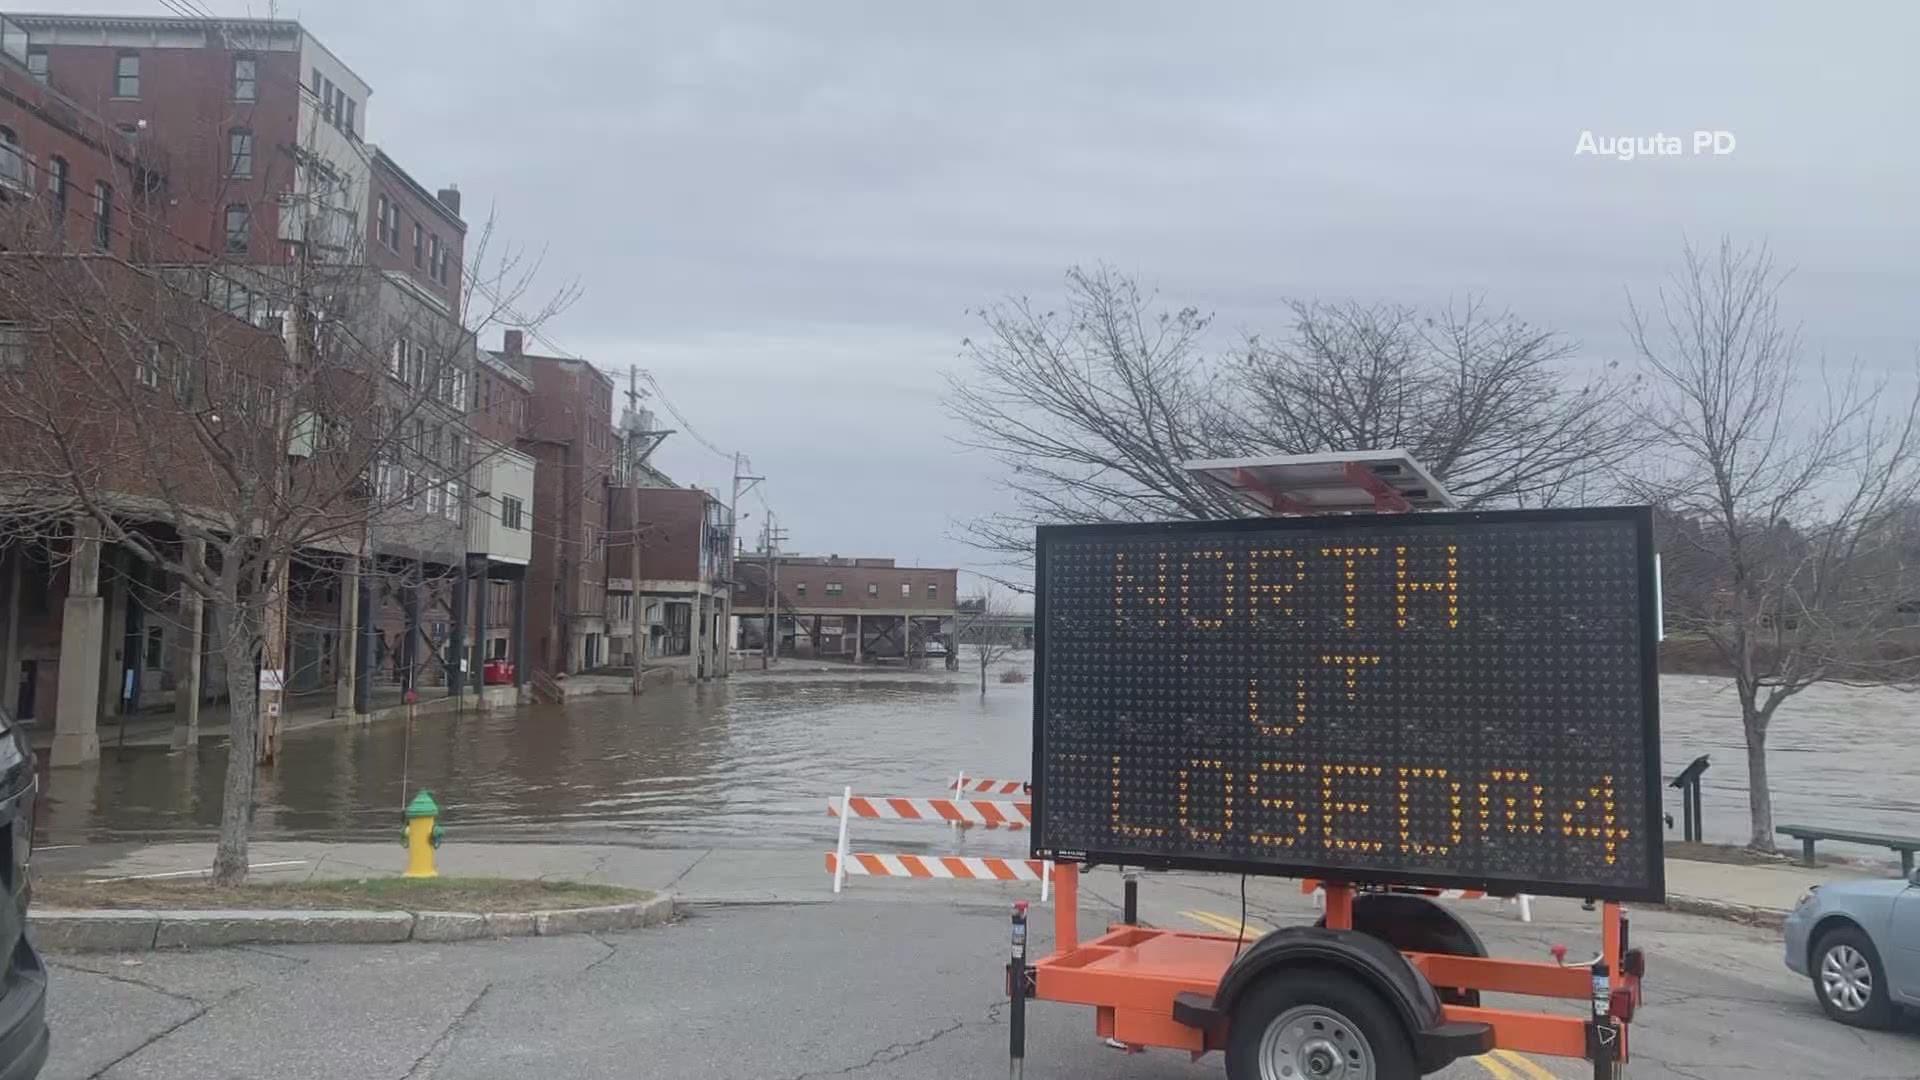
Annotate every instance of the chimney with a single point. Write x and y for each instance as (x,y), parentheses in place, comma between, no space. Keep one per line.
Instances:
(513,344)
(450,198)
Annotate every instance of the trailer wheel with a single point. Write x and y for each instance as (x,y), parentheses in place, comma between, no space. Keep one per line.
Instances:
(1316,1024)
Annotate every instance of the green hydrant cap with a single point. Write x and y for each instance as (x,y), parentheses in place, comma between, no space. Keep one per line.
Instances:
(423,805)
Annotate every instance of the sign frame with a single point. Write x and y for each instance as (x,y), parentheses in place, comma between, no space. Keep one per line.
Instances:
(1641,517)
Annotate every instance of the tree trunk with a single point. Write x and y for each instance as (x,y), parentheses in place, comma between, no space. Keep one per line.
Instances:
(1759,795)
(239,647)
(983,671)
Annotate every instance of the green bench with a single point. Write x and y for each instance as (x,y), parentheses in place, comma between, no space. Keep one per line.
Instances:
(1807,835)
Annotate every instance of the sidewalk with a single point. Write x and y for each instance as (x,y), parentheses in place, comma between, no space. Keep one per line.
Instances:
(313,709)
(1761,894)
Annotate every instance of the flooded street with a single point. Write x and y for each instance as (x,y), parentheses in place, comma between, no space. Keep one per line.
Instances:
(751,763)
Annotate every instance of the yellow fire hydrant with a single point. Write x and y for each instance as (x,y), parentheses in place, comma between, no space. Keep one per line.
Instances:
(423,835)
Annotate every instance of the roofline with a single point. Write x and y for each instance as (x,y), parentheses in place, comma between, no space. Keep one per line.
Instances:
(150,21)
(381,157)
(29,19)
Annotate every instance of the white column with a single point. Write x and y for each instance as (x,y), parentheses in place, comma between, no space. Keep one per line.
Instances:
(76,737)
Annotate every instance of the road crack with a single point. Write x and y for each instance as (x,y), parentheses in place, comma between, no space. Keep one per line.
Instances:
(429,1059)
(891,1053)
(127,979)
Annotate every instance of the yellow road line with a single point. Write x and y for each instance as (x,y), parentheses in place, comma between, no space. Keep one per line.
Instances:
(1226,925)
(1494,1068)
(1525,1065)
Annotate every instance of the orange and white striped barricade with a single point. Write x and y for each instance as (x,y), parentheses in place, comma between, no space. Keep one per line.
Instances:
(985,813)
(964,867)
(976,785)
(982,812)
(1523,901)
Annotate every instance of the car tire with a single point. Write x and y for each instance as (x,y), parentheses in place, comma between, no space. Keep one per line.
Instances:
(1849,979)
(1315,1011)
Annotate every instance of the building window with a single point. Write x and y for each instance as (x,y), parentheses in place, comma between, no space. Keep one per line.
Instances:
(156,647)
(246,84)
(417,378)
(436,264)
(13,163)
(102,215)
(510,510)
(146,371)
(393,226)
(419,249)
(239,228)
(37,62)
(933,591)
(906,591)
(834,589)
(453,500)
(57,185)
(873,589)
(126,75)
(240,152)
(13,347)
(350,116)
(397,360)
(323,86)
(380,223)
(800,589)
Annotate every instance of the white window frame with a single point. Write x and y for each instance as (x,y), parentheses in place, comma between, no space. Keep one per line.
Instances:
(16,349)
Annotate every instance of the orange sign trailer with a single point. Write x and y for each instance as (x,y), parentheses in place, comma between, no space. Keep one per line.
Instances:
(1338,1001)
(1192,991)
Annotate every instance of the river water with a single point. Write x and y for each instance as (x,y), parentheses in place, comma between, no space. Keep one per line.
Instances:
(752,763)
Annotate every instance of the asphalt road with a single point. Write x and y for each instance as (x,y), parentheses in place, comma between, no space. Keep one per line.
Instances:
(891,980)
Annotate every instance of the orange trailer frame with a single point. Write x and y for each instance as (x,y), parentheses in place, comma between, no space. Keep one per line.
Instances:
(1132,975)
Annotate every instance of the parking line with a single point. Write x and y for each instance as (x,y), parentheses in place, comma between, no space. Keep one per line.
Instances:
(1494,1068)
(1525,1065)
(1225,925)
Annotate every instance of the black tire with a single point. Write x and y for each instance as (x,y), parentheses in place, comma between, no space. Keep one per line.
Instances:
(1418,924)
(1845,947)
(1355,1009)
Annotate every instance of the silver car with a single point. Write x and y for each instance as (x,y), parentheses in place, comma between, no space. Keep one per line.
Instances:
(1860,943)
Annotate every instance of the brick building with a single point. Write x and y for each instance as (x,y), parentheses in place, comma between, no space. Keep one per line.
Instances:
(569,434)
(88,629)
(858,608)
(181,143)
(254,124)
(66,161)
(668,616)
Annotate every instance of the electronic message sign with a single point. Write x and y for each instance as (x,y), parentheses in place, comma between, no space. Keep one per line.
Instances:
(1456,699)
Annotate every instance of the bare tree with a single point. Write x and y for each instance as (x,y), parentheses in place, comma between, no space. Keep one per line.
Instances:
(1486,401)
(986,624)
(1788,502)
(1094,409)
(218,419)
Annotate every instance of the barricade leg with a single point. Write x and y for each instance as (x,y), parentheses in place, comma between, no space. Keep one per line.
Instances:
(840,863)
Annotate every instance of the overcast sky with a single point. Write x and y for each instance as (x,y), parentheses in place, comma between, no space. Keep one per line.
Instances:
(784,210)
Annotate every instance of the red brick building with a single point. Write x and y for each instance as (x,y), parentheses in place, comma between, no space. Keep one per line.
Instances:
(414,232)
(63,160)
(570,436)
(858,608)
(255,126)
(668,613)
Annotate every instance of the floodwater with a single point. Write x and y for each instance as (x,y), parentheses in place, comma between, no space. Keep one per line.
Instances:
(753,762)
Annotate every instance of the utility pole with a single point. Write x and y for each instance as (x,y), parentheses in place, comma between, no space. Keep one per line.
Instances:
(733,543)
(772,650)
(627,472)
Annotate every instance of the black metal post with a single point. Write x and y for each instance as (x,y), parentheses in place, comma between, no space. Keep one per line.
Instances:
(1699,816)
(1131,915)
(455,661)
(1017,990)
(1603,1034)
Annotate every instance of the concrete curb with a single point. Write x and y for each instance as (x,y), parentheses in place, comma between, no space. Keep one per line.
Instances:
(1765,918)
(58,930)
